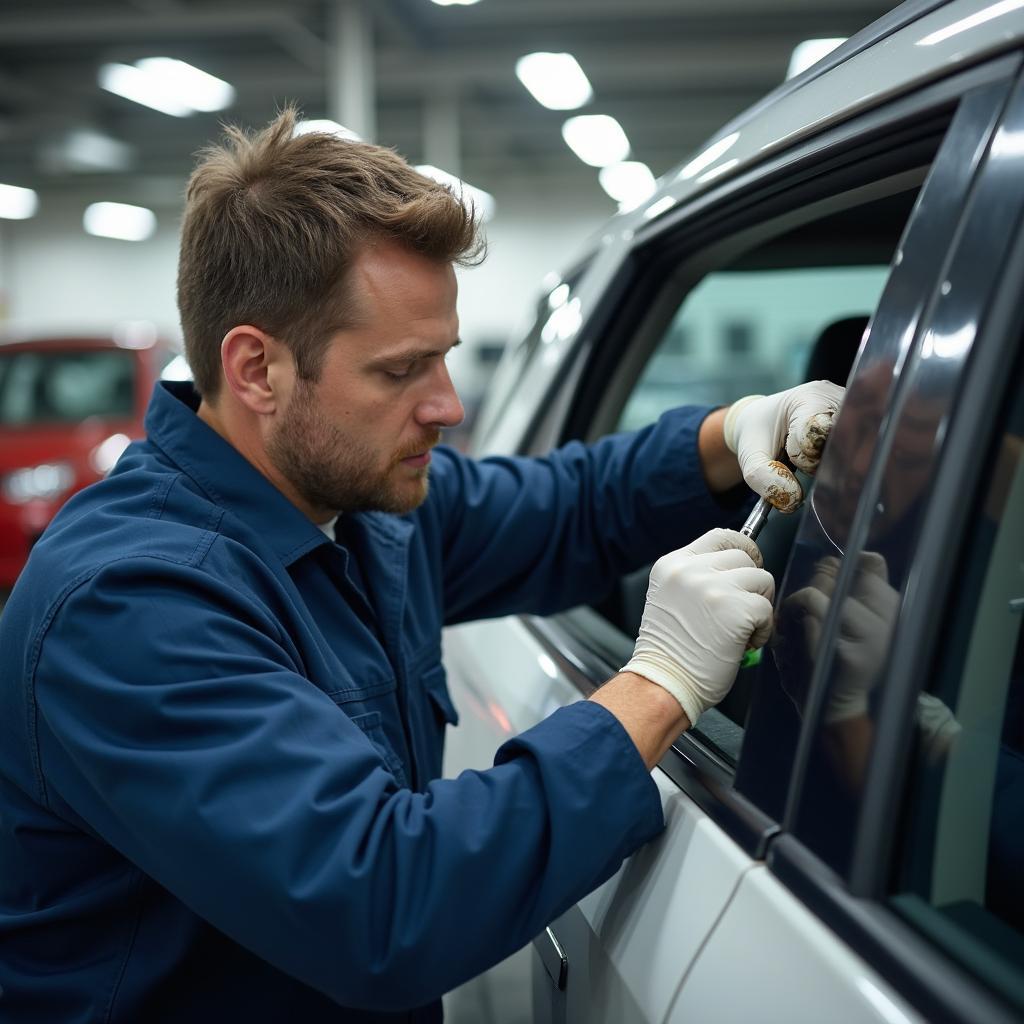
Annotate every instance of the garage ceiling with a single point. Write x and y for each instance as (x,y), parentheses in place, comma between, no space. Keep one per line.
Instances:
(671,72)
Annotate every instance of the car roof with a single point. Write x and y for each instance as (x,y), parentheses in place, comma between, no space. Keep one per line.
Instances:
(917,42)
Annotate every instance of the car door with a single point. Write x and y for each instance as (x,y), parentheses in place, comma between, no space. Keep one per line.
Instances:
(744,290)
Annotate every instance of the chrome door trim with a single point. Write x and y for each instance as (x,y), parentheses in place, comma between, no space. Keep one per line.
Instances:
(553,957)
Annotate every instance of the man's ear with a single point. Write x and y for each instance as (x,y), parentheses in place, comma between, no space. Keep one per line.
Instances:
(256,366)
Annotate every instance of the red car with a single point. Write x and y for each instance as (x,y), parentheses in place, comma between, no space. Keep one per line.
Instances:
(68,409)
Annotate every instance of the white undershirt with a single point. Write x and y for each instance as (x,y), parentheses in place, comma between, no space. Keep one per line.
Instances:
(328,527)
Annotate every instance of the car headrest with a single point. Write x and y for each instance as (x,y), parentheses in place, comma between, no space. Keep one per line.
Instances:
(835,349)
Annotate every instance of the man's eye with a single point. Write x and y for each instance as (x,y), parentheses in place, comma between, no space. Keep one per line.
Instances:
(397,374)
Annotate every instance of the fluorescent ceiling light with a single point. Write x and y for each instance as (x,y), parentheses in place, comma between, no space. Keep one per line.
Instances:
(170,86)
(84,150)
(325,127)
(17,203)
(809,52)
(136,85)
(555,80)
(119,220)
(483,202)
(629,183)
(596,139)
(455,3)
(201,91)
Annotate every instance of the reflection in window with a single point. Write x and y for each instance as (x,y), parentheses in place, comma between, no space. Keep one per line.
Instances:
(960,876)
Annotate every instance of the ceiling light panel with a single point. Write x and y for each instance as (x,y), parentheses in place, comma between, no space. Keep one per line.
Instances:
(201,91)
(629,183)
(170,86)
(85,150)
(119,220)
(555,80)
(597,139)
(17,203)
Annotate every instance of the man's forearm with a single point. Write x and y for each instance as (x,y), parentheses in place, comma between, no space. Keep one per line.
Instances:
(719,465)
(649,713)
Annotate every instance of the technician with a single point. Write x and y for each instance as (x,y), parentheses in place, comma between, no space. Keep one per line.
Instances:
(222,703)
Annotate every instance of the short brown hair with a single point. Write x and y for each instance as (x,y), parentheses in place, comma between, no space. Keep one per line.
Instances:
(272,224)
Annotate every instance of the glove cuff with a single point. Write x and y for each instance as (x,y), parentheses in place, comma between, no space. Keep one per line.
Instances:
(731,416)
(668,680)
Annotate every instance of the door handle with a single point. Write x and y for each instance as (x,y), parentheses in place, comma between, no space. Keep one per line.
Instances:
(552,956)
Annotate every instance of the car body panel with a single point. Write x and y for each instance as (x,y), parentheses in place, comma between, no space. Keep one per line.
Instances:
(795,972)
(677,885)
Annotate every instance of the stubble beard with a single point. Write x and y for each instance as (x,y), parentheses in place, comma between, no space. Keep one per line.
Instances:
(333,472)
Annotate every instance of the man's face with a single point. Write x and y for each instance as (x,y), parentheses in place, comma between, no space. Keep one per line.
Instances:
(359,438)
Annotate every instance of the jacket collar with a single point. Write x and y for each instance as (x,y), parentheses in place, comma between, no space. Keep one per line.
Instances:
(225,474)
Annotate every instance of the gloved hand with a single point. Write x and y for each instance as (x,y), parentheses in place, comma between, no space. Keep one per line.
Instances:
(758,427)
(706,604)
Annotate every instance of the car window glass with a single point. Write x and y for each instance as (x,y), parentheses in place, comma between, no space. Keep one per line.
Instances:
(743,332)
(65,387)
(959,876)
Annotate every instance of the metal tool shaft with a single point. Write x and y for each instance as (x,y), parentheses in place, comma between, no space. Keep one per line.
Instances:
(757,518)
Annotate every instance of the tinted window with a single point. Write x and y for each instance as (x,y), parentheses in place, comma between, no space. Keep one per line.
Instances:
(65,387)
(960,871)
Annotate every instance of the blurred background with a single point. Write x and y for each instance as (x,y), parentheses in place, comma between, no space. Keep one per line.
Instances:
(436,81)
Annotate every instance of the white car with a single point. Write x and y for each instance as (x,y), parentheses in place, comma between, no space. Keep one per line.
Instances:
(845,834)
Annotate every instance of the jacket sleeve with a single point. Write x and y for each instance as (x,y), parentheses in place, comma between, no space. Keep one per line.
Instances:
(172,720)
(544,534)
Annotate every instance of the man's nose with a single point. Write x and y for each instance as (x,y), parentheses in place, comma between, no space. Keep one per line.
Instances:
(442,406)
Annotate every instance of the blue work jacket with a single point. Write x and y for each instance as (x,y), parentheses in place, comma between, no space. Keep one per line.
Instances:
(219,753)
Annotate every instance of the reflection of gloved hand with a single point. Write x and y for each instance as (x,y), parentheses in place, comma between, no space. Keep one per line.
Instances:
(867,616)
(866,621)
(758,427)
(706,603)
(935,725)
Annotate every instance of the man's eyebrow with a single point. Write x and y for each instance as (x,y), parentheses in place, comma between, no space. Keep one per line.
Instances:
(411,354)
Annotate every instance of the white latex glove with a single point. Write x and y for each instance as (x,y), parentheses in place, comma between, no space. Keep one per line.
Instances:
(706,604)
(757,428)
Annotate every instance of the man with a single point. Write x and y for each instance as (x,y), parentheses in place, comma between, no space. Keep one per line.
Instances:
(222,697)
